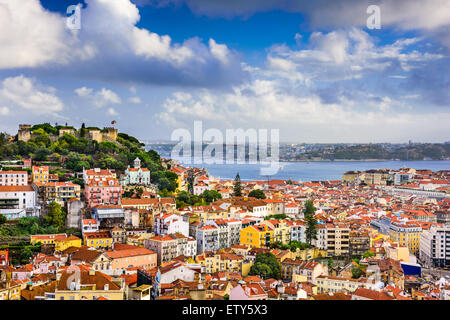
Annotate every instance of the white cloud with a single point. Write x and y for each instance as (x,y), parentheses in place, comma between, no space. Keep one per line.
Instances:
(307,94)
(4,111)
(106,96)
(83,91)
(26,93)
(30,36)
(135,100)
(99,98)
(33,37)
(112,112)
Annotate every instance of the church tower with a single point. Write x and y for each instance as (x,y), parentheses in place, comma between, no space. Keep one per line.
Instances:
(137,163)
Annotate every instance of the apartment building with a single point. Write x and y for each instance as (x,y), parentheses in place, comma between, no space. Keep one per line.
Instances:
(102,191)
(359,242)
(13,178)
(297,228)
(406,233)
(435,246)
(229,231)
(207,238)
(296,270)
(40,174)
(331,284)
(18,202)
(168,223)
(338,235)
(60,192)
(258,236)
(170,246)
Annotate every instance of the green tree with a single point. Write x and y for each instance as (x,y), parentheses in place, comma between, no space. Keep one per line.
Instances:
(237,191)
(258,194)
(266,266)
(368,254)
(3,219)
(211,195)
(356,273)
(309,208)
(311,222)
(55,215)
(25,255)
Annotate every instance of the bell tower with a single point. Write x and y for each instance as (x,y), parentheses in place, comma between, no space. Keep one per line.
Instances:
(137,163)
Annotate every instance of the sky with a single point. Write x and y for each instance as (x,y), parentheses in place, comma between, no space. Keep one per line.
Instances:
(312,69)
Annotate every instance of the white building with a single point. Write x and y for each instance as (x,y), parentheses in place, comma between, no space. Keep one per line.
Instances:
(170,246)
(18,202)
(89,225)
(258,208)
(175,271)
(298,231)
(434,247)
(291,209)
(199,188)
(207,238)
(171,223)
(229,231)
(136,175)
(13,178)
(321,241)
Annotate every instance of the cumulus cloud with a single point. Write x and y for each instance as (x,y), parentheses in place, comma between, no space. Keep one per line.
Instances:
(26,93)
(99,98)
(336,86)
(83,91)
(30,36)
(109,46)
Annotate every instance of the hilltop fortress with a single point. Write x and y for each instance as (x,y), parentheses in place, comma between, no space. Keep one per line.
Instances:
(107,134)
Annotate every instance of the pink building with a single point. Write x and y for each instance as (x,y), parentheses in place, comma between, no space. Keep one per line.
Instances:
(102,191)
(132,258)
(250,291)
(13,178)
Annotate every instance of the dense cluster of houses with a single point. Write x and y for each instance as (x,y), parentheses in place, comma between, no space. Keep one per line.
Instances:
(380,222)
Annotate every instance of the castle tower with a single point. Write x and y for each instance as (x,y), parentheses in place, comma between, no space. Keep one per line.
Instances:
(24,133)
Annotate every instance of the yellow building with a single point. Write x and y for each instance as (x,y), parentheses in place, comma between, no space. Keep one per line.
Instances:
(60,241)
(282,230)
(139,239)
(327,284)
(60,192)
(98,240)
(40,174)
(407,234)
(310,253)
(258,236)
(87,285)
(353,177)
(218,262)
(9,290)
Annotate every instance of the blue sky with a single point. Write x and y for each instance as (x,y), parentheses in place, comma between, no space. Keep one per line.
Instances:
(313,70)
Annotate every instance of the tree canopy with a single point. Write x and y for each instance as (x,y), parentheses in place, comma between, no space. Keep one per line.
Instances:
(258,194)
(266,266)
(237,191)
